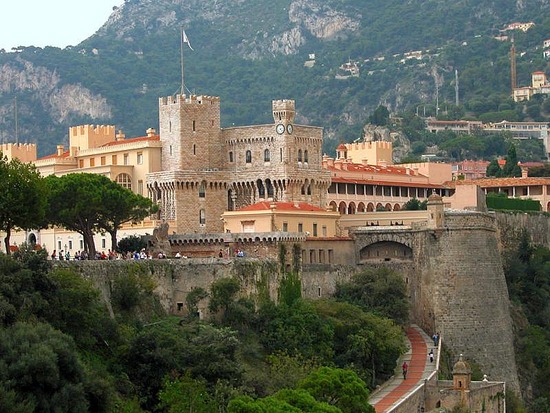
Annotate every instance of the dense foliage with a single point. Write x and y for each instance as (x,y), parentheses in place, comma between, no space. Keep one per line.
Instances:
(527,270)
(62,349)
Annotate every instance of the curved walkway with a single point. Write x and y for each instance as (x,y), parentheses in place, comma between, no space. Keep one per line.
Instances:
(420,368)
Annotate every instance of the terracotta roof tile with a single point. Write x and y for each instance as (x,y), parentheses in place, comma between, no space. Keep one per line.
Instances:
(65,154)
(500,182)
(282,206)
(132,140)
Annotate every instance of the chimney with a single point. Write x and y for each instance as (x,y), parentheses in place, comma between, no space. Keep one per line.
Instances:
(119,136)
(524,172)
(151,132)
(60,150)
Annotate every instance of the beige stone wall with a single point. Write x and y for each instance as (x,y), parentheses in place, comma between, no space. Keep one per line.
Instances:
(190,133)
(90,136)
(25,152)
(373,153)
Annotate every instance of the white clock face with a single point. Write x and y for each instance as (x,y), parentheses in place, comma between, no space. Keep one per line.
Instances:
(280,128)
(289,129)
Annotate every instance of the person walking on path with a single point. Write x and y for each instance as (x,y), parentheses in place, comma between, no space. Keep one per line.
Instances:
(405,368)
(431,356)
(435,338)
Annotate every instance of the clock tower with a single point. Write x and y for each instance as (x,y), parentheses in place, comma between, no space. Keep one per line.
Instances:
(284,112)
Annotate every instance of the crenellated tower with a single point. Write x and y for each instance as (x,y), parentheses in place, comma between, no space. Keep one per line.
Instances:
(190,131)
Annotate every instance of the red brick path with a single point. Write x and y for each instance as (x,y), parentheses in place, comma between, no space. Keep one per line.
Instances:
(417,364)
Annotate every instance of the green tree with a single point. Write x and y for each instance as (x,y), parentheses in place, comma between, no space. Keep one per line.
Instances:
(23,200)
(297,330)
(223,292)
(381,116)
(415,204)
(75,203)
(40,367)
(131,244)
(88,203)
(340,388)
(363,341)
(381,291)
(511,167)
(193,298)
(119,206)
(185,394)
(493,169)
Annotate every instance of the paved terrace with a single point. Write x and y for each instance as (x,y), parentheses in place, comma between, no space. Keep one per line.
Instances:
(391,393)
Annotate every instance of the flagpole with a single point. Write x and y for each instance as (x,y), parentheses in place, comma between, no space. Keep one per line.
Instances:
(181,57)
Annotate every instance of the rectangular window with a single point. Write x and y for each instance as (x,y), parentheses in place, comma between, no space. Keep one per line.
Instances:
(114,159)
(330,256)
(92,161)
(140,158)
(125,157)
(285,226)
(324,231)
(140,187)
(314,229)
(300,227)
(81,163)
(70,244)
(59,245)
(194,126)
(103,242)
(103,161)
(81,244)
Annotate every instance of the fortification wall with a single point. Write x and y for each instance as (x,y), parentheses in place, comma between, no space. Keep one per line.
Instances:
(455,280)
(511,224)
(463,293)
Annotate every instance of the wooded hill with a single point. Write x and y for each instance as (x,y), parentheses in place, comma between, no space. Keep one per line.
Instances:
(249,53)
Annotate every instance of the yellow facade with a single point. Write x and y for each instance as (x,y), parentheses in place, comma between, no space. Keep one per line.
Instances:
(282,217)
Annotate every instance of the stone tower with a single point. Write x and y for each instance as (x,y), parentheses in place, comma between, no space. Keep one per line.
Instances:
(462,375)
(190,131)
(284,111)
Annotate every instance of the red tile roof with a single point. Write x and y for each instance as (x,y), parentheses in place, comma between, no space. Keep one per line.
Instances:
(282,206)
(500,182)
(366,168)
(342,180)
(55,155)
(132,140)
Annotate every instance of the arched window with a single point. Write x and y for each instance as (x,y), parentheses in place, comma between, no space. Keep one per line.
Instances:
(202,217)
(202,190)
(248,156)
(124,180)
(305,156)
(267,155)
(299,155)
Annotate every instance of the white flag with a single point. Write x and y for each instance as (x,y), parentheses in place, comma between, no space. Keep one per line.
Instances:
(185,39)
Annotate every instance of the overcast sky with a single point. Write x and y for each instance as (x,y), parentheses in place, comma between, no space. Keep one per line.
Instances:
(57,23)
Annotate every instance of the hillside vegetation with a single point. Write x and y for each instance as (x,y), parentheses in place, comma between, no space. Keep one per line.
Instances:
(249,53)
(61,350)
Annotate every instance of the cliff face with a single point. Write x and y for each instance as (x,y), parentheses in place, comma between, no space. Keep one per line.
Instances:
(251,51)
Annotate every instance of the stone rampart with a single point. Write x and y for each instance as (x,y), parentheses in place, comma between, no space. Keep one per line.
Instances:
(510,225)
(454,277)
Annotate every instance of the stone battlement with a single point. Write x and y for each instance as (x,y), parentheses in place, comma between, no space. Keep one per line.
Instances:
(191,99)
(89,130)
(26,152)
